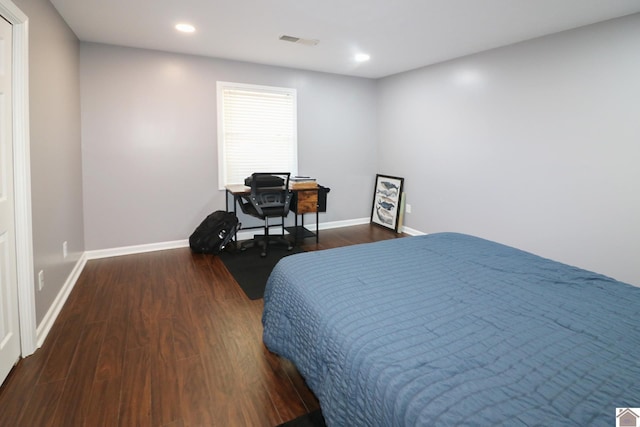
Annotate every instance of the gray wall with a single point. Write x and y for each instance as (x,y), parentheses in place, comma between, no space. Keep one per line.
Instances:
(536,145)
(56,169)
(149,140)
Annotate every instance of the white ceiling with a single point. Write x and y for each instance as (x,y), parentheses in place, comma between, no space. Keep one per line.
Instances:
(399,35)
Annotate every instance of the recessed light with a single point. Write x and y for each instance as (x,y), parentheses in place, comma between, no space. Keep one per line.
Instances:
(362,57)
(185,28)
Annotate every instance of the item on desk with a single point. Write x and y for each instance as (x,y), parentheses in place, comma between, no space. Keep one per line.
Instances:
(300,182)
(304,185)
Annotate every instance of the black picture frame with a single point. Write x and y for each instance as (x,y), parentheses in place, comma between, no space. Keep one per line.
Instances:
(387,197)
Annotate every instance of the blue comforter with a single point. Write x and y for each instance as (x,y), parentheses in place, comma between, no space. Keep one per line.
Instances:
(448,329)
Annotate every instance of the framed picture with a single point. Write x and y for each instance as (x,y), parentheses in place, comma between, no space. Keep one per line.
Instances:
(387,196)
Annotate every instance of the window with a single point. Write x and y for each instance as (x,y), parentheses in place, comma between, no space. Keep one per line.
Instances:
(257,131)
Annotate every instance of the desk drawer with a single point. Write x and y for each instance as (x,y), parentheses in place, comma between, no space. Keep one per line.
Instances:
(307,201)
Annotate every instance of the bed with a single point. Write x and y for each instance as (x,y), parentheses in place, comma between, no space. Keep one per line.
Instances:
(450,329)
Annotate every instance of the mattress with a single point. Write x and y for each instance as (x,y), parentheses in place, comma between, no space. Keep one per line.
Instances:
(450,329)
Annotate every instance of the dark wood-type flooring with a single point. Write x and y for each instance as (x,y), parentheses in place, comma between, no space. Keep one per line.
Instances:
(161,339)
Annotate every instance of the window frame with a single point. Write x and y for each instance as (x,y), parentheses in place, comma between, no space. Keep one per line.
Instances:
(221,86)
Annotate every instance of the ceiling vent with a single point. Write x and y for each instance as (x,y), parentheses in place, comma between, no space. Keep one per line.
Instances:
(298,40)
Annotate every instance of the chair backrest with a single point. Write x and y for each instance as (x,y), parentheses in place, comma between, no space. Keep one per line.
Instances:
(270,194)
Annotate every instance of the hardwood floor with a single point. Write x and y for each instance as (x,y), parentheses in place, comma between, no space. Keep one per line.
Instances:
(161,339)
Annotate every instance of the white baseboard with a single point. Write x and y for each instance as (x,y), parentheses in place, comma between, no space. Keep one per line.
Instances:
(42,330)
(136,249)
(339,224)
(412,231)
(242,235)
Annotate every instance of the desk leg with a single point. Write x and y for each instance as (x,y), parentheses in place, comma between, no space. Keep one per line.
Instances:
(235,202)
(317,229)
(235,207)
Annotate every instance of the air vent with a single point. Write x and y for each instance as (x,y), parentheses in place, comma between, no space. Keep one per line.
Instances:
(290,39)
(298,40)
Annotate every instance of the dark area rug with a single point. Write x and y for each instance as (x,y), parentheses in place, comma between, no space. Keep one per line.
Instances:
(312,419)
(250,270)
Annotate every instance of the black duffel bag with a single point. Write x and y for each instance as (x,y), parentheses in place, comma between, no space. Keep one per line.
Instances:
(214,233)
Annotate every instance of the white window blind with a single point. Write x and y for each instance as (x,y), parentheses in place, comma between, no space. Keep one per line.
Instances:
(257,131)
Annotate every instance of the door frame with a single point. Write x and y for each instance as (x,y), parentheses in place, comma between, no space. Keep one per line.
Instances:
(22,176)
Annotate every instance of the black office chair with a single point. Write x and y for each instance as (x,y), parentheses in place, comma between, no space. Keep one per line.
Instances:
(270,198)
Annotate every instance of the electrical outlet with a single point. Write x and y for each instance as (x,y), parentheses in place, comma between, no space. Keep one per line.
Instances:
(407,208)
(40,280)
(65,252)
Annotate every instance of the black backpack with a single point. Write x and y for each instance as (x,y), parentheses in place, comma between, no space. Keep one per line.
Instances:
(214,233)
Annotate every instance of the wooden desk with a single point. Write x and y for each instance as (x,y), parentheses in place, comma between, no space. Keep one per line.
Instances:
(305,200)
(236,190)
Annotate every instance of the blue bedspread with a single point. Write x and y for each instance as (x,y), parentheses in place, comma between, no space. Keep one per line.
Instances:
(449,329)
